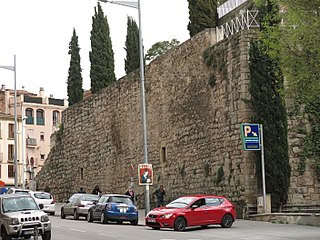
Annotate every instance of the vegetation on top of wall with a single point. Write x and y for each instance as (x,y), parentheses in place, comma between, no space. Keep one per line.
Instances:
(215,58)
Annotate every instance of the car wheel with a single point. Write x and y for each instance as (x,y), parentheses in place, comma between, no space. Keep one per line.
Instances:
(103,218)
(89,216)
(4,234)
(63,216)
(134,222)
(180,224)
(75,215)
(46,235)
(227,221)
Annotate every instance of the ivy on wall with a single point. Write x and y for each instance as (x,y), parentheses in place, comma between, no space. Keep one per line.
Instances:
(269,108)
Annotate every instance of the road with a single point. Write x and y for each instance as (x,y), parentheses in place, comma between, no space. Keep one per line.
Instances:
(69,229)
(241,230)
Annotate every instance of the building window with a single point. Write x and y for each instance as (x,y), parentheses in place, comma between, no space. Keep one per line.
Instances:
(40,117)
(10,171)
(29,114)
(163,155)
(42,156)
(10,152)
(11,130)
(42,136)
(81,173)
(55,118)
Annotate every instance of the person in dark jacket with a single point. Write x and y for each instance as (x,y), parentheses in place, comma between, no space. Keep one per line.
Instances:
(81,190)
(160,196)
(96,190)
(130,193)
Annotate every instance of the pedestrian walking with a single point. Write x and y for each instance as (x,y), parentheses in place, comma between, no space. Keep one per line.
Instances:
(130,193)
(96,190)
(160,196)
(81,190)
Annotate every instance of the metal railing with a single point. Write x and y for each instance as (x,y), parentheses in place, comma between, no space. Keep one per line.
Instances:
(228,6)
(246,20)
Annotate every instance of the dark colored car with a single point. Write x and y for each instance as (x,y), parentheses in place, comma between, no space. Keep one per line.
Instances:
(114,207)
(78,205)
(193,210)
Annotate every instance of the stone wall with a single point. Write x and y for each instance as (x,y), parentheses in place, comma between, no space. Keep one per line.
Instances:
(193,128)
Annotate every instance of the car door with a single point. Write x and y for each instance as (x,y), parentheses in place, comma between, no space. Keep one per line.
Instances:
(196,213)
(99,207)
(68,207)
(213,206)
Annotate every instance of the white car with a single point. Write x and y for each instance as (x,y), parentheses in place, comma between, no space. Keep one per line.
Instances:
(49,204)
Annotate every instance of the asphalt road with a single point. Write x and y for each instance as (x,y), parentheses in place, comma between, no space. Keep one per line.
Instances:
(241,230)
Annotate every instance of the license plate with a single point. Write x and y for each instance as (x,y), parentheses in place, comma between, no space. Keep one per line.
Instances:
(29,232)
(151,220)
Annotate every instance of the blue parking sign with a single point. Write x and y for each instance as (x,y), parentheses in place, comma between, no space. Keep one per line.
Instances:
(250,134)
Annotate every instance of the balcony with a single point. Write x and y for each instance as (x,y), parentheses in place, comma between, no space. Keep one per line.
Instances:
(40,121)
(29,120)
(31,142)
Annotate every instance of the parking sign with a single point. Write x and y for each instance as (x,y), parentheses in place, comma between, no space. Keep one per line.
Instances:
(250,134)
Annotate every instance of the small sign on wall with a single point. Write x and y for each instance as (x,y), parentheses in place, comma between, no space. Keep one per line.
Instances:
(145,174)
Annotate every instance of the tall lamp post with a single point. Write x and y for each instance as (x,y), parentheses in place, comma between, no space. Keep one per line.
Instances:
(13,68)
(143,100)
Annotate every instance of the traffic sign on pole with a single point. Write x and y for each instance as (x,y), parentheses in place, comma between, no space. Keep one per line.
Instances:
(250,134)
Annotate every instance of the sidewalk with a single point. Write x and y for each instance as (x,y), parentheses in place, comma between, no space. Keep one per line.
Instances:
(141,213)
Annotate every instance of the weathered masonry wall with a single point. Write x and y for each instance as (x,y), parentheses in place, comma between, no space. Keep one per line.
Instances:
(193,129)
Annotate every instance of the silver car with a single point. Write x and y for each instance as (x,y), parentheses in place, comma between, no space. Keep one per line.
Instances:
(20,216)
(78,205)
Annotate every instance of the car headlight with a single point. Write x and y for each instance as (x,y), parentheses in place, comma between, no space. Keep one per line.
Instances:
(44,218)
(168,215)
(14,221)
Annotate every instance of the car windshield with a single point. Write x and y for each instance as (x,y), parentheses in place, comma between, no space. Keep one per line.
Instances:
(90,197)
(118,199)
(43,196)
(180,202)
(18,204)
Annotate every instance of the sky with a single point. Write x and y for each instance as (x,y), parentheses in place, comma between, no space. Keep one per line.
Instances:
(38,32)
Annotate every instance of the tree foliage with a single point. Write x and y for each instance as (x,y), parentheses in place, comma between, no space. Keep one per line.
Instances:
(101,54)
(160,48)
(296,44)
(74,82)
(132,61)
(202,14)
(267,87)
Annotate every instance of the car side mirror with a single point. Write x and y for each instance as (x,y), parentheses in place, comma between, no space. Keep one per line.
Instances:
(41,206)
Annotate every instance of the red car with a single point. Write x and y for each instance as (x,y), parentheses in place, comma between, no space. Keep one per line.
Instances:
(193,210)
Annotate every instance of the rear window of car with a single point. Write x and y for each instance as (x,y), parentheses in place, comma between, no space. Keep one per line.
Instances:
(118,199)
(21,192)
(89,197)
(42,196)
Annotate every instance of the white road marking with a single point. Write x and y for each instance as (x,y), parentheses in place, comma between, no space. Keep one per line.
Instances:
(77,230)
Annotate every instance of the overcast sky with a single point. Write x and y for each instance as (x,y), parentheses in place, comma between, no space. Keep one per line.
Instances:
(39,33)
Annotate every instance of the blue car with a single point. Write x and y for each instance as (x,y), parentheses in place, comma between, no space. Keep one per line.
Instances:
(113,207)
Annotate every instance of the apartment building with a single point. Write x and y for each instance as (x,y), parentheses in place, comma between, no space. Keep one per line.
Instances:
(38,116)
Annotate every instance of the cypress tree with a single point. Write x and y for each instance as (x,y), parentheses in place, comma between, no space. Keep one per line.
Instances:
(74,82)
(101,54)
(267,86)
(132,61)
(202,14)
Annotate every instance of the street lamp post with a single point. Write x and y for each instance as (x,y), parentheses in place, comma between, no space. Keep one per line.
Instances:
(13,68)
(143,100)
